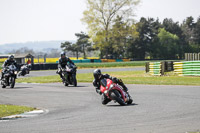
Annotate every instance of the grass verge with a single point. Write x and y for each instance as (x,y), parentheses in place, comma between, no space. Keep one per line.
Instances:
(111,64)
(7,110)
(128,77)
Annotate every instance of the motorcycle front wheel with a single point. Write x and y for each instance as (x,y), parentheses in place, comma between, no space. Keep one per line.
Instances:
(116,96)
(12,82)
(74,80)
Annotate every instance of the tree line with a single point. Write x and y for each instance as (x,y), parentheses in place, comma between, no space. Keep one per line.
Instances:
(113,32)
(147,38)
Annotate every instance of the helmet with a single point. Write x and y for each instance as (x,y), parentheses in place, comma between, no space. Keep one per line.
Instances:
(97,73)
(11,57)
(62,55)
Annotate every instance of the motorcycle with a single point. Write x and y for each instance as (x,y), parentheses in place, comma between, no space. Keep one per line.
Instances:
(25,69)
(69,75)
(114,92)
(10,74)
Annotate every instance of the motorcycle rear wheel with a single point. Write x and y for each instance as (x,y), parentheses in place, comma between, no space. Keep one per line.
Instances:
(116,96)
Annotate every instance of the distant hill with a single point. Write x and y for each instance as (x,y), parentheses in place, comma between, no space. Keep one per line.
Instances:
(36,46)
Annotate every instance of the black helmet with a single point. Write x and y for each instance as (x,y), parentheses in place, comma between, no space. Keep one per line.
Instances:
(97,73)
(62,54)
(11,57)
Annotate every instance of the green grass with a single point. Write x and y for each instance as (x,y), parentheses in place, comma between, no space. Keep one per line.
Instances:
(1,65)
(110,64)
(7,110)
(128,77)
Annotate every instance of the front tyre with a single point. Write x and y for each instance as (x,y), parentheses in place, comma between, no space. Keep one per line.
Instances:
(12,82)
(3,84)
(116,96)
(74,80)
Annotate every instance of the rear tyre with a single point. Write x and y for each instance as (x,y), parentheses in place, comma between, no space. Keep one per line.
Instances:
(116,96)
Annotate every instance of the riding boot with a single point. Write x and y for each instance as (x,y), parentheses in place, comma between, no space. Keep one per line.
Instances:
(61,77)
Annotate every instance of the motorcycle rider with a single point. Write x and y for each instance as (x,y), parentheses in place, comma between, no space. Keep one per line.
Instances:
(63,60)
(8,62)
(96,82)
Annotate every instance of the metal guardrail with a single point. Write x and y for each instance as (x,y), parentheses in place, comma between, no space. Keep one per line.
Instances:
(187,68)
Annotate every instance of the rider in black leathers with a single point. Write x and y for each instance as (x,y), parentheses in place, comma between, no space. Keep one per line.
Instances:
(62,63)
(96,82)
(8,62)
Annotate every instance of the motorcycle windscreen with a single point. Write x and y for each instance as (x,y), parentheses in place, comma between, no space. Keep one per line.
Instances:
(103,82)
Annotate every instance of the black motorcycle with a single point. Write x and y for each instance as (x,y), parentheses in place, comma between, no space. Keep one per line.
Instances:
(25,69)
(69,75)
(10,74)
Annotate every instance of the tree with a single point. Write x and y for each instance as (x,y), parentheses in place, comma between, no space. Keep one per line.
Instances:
(174,28)
(68,46)
(197,34)
(83,43)
(81,46)
(168,44)
(145,43)
(122,35)
(99,18)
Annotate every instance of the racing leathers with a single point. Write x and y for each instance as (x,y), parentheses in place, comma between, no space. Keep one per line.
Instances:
(5,64)
(62,63)
(96,83)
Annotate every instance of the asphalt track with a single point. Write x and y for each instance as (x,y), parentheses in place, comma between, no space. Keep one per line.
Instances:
(156,109)
(90,70)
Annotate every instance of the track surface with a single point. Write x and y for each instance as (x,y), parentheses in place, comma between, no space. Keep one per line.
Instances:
(156,109)
(53,72)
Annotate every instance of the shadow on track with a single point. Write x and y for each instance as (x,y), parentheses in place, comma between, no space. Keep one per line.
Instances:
(117,105)
(78,86)
(15,88)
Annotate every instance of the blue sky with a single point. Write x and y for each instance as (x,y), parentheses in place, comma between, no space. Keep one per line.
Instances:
(43,20)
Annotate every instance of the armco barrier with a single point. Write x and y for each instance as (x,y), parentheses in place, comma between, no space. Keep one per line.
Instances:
(86,60)
(108,60)
(77,61)
(49,66)
(125,60)
(96,60)
(119,60)
(187,68)
(44,66)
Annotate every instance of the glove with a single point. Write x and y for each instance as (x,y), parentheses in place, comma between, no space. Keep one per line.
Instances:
(120,80)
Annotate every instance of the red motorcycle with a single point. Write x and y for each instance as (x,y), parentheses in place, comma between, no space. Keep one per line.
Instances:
(114,92)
